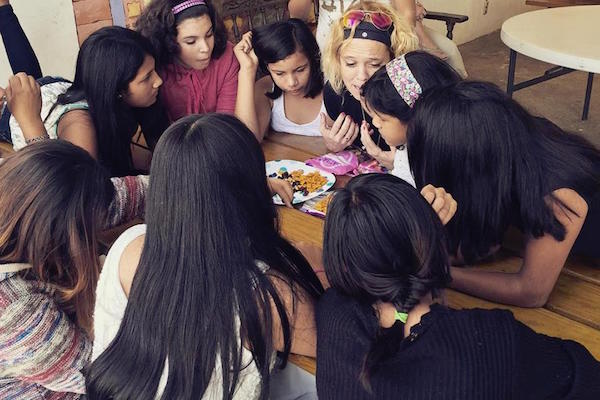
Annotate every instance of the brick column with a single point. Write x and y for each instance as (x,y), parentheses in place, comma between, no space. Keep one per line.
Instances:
(91,15)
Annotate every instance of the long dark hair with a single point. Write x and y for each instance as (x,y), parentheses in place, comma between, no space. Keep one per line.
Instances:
(429,71)
(276,41)
(403,259)
(499,162)
(54,200)
(108,61)
(210,218)
(158,23)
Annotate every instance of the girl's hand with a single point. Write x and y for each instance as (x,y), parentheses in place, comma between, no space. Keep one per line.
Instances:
(23,97)
(245,53)
(385,158)
(24,100)
(283,189)
(339,135)
(442,202)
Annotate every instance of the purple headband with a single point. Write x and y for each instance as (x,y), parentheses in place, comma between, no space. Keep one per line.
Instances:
(403,80)
(187,4)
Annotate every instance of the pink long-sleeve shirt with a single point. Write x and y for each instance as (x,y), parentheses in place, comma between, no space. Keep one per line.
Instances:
(188,91)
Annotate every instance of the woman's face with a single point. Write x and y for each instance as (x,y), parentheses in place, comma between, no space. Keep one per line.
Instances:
(196,41)
(143,89)
(360,59)
(291,74)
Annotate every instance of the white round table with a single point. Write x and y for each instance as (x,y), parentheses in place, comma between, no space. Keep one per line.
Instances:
(568,37)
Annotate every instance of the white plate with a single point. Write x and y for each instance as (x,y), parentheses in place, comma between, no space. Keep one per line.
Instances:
(292,165)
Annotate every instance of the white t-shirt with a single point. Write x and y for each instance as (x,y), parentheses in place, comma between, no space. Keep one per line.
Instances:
(402,167)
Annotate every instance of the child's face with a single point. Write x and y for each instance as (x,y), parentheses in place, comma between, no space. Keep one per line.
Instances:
(291,74)
(391,128)
(143,89)
(196,41)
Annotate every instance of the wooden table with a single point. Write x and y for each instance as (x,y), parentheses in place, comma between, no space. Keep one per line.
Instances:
(572,312)
(564,36)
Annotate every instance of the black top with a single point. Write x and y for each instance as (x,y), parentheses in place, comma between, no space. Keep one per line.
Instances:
(336,104)
(450,354)
(587,243)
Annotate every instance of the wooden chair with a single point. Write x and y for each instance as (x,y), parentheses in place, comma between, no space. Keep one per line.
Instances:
(449,19)
(240,16)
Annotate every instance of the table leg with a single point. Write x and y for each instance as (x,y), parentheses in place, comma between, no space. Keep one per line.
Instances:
(510,84)
(588,95)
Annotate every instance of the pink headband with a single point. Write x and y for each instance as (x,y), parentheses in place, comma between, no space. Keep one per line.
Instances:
(403,80)
(187,4)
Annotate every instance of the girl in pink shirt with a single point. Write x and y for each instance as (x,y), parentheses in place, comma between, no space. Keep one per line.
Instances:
(194,59)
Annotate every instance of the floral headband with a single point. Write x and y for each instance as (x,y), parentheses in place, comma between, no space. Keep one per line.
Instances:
(187,4)
(403,80)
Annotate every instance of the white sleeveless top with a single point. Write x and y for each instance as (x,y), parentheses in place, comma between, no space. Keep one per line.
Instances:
(110,308)
(280,123)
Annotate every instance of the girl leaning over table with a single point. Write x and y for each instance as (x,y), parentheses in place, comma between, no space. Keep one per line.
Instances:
(55,199)
(390,96)
(506,168)
(207,288)
(290,97)
(383,331)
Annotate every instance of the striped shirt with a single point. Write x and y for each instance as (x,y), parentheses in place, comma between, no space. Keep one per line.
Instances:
(42,351)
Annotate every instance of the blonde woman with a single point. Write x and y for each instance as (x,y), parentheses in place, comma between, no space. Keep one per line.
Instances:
(368,35)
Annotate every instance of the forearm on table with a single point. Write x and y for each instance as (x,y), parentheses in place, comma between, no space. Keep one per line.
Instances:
(500,287)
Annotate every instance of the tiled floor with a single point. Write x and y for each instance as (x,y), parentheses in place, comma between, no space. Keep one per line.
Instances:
(560,99)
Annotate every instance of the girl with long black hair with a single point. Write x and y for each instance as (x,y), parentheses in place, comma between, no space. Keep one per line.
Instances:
(383,332)
(505,167)
(112,96)
(196,302)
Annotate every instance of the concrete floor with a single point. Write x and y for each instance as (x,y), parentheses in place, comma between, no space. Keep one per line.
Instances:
(560,99)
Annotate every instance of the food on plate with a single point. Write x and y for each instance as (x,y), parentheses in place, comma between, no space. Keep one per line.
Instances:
(301,182)
(322,204)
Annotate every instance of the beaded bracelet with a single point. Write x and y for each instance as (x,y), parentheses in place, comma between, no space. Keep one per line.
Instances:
(37,139)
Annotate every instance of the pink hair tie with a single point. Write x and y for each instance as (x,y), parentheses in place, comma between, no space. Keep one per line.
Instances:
(187,4)
(403,80)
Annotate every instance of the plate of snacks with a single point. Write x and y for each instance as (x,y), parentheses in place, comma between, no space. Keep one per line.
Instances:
(307,182)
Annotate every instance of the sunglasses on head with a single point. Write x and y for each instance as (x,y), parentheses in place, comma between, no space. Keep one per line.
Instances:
(380,20)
